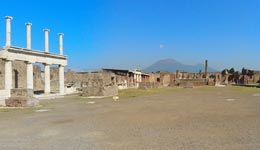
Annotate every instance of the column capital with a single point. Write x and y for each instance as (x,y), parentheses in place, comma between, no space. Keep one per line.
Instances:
(46,30)
(9,17)
(60,34)
(28,24)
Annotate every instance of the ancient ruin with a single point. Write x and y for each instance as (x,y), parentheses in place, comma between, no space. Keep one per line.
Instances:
(14,59)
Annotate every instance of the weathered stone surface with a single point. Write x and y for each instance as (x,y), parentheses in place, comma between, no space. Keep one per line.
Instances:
(92,83)
(99,84)
(188,85)
(16,102)
(21,98)
(21,102)
(28,93)
(54,72)
(185,83)
(100,91)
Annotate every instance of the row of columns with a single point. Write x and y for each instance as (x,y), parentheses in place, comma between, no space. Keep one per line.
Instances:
(138,77)
(28,36)
(8,63)
(29,82)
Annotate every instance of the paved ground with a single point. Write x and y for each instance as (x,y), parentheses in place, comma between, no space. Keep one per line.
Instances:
(188,119)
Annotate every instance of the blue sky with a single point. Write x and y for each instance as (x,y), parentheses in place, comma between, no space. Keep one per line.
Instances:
(136,33)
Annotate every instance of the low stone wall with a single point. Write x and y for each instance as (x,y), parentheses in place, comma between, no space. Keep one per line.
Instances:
(188,83)
(149,85)
(100,91)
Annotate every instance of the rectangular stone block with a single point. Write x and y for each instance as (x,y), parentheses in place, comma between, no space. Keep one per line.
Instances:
(28,93)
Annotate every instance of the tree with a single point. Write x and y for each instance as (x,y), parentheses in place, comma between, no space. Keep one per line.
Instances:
(244,71)
(232,70)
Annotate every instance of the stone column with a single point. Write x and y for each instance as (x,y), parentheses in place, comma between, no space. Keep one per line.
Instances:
(8,77)
(61,79)
(134,79)
(46,35)
(29,75)
(177,74)
(47,88)
(61,42)
(8,30)
(127,79)
(28,35)
(206,69)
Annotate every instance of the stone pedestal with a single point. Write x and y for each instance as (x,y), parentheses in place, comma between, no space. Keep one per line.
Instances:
(21,98)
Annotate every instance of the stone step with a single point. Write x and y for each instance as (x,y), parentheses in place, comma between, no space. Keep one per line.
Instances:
(48,96)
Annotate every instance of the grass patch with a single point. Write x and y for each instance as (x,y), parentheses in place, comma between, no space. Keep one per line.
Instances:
(229,87)
(20,110)
(5,110)
(205,87)
(144,92)
(243,89)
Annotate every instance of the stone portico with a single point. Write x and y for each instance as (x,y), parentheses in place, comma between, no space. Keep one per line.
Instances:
(10,53)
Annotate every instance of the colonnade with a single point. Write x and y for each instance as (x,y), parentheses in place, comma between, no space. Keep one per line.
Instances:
(29,83)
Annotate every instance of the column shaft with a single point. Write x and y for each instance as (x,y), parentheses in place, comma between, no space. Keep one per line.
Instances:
(29,76)
(8,77)
(61,79)
(47,88)
(46,35)
(8,30)
(28,35)
(61,43)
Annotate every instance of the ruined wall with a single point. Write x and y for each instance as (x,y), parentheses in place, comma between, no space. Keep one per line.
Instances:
(198,82)
(99,84)
(163,78)
(38,80)
(154,77)
(92,83)
(54,77)
(19,74)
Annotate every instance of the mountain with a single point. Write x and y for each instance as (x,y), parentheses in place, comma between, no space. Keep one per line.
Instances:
(173,65)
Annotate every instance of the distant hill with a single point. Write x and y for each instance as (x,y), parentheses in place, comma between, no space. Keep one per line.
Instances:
(173,65)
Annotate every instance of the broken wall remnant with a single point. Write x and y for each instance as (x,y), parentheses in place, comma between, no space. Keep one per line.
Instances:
(99,84)
(91,83)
